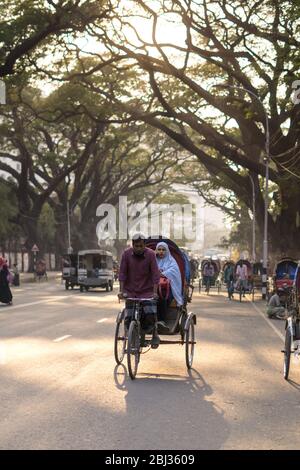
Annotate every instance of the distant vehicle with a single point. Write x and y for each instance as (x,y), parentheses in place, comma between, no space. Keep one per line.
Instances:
(95,269)
(69,270)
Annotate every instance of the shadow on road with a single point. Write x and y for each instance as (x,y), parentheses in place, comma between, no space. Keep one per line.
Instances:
(171,411)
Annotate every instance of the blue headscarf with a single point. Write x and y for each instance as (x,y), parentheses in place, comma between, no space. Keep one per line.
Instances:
(169,268)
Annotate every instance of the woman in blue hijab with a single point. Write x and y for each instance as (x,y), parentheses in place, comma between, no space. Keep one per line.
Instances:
(169,268)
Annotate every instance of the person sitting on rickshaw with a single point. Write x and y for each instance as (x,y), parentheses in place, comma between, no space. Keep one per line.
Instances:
(208,274)
(169,270)
(139,278)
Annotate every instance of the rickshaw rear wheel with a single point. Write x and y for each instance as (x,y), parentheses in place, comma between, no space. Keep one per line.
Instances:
(67,285)
(287,354)
(189,344)
(120,342)
(133,350)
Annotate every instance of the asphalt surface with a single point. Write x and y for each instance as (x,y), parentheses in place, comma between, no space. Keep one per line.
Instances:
(61,389)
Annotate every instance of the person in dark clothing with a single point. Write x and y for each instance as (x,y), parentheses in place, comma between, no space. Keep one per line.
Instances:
(5,292)
(139,278)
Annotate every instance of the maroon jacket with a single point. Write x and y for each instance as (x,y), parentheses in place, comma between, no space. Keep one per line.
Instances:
(139,273)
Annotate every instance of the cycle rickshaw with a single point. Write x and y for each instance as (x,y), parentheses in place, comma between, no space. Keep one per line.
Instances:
(283,279)
(292,324)
(284,273)
(214,280)
(238,286)
(178,322)
(41,271)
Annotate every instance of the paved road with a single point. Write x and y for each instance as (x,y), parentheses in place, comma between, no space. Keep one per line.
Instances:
(60,388)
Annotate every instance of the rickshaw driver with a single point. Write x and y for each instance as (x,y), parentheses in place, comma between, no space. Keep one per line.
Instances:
(139,277)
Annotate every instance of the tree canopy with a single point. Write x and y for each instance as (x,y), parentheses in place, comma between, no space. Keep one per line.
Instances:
(216,78)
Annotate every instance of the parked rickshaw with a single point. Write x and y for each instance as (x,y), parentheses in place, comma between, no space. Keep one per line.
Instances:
(238,288)
(95,269)
(284,273)
(215,280)
(283,278)
(178,320)
(70,270)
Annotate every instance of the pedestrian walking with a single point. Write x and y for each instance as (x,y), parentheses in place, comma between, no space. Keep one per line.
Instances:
(5,292)
(16,280)
(229,280)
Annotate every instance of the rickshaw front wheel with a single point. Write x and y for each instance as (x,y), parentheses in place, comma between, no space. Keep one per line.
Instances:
(120,341)
(133,349)
(190,344)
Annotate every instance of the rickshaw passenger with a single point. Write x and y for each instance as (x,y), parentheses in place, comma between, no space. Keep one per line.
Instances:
(139,278)
(169,269)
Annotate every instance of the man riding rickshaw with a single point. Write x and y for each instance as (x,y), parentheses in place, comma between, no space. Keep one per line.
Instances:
(154,282)
(210,271)
(40,270)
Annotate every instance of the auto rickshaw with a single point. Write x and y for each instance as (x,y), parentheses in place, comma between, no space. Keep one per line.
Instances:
(69,270)
(95,269)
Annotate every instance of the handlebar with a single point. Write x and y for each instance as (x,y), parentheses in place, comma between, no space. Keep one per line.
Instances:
(142,299)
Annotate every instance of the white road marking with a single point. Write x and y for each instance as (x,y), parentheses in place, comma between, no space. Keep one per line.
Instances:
(62,338)
(2,354)
(14,307)
(102,320)
(267,320)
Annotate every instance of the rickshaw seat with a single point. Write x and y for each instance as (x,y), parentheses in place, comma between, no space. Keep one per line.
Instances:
(172,319)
